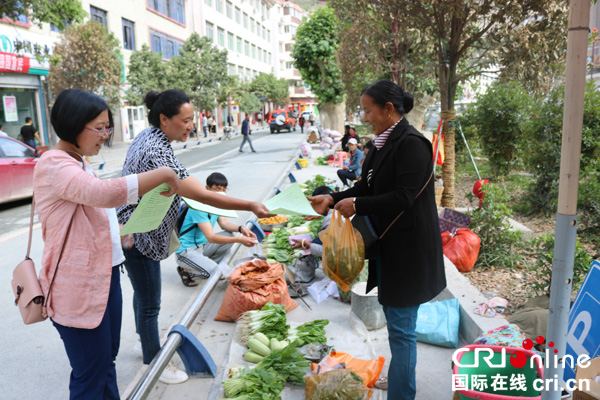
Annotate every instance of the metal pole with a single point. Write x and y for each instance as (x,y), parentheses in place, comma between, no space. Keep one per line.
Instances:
(566,219)
(468,149)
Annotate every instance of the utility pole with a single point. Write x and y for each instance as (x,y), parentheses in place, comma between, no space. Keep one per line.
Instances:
(566,217)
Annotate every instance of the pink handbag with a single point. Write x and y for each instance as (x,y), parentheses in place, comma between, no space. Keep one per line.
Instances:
(26,286)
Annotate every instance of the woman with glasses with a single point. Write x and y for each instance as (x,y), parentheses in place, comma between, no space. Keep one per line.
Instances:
(170,114)
(82,246)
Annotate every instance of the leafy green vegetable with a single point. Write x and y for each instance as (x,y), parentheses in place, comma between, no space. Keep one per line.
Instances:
(310,332)
(269,320)
(296,220)
(288,362)
(265,383)
(338,384)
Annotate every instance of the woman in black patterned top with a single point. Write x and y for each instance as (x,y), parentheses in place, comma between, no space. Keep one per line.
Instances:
(171,116)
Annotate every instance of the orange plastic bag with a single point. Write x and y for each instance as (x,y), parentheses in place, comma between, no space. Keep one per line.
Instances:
(251,286)
(332,383)
(368,370)
(462,249)
(343,251)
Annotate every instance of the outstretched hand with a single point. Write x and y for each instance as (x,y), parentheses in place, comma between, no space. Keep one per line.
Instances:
(321,203)
(173,181)
(260,210)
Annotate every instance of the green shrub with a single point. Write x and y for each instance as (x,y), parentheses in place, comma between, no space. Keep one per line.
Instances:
(543,247)
(499,242)
(497,119)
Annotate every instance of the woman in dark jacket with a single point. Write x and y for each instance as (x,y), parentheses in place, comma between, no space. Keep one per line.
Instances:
(407,264)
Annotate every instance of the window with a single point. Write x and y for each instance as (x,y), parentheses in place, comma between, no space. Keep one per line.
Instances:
(229,9)
(219,5)
(128,34)
(238,41)
(173,9)
(269,57)
(281,47)
(252,25)
(246,48)
(264,33)
(241,73)
(98,15)
(208,2)
(290,29)
(257,28)
(165,44)
(265,56)
(289,65)
(12,149)
(221,37)
(288,47)
(231,69)
(54,28)
(269,35)
(281,66)
(230,41)
(245,20)
(253,51)
(248,74)
(238,15)
(210,29)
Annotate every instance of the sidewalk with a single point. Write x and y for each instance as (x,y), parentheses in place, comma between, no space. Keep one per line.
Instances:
(433,363)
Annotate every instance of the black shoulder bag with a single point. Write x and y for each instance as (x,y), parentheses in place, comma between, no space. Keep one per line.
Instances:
(363,224)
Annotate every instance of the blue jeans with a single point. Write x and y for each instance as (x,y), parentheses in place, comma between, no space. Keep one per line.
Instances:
(30,143)
(345,175)
(401,324)
(92,352)
(144,274)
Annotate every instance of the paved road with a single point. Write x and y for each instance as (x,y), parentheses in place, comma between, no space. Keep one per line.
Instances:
(33,364)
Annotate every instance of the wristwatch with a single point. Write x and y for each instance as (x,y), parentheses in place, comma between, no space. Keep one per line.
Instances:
(240,229)
(354,203)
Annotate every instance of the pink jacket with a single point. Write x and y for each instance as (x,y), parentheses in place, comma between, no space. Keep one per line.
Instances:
(80,291)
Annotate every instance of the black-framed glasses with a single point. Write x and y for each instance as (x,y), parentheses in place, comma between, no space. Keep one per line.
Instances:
(101,132)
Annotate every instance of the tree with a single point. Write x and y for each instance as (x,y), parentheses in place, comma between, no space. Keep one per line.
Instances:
(59,13)
(470,37)
(315,56)
(269,87)
(147,71)
(377,40)
(199,70)
(87,58)
(250,104)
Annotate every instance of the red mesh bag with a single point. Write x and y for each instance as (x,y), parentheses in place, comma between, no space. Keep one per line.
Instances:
(462,249)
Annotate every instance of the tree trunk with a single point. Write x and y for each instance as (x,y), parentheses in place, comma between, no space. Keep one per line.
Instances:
(333,115)
(417,116)
(446,97)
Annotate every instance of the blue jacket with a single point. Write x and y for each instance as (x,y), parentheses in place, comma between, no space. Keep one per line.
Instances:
(355,159)
(245,127)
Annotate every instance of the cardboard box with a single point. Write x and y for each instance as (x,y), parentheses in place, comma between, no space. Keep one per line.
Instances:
(588,373)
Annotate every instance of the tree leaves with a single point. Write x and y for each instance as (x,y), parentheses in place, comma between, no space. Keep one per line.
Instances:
(88,57)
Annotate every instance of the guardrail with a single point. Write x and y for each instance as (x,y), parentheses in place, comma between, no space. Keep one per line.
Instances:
(175,339)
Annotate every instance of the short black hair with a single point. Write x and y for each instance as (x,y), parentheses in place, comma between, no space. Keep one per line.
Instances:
(73,109)
(368,145)
(28,119)
(385,91)
(322,190)
(216,178)
(167,103)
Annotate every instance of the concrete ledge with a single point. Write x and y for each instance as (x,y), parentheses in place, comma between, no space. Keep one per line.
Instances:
(459,287)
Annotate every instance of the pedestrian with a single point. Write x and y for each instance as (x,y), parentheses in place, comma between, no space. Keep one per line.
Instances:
(170,115)
(259,118)
(201,248)
(230,119)
(350,134)
(355,168)
(211,123)
(246,133)
(301,122)
(82,246)
(204,124)
(311,119)
(407,263)
(29,134)
(2,133)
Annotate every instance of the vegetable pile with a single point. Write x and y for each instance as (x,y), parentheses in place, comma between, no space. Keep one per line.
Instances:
(277,245)
(310,185)
(277,219)
(250,384)
(310,332)
(269,320)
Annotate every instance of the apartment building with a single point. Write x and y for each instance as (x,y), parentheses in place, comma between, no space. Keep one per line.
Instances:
(288,17)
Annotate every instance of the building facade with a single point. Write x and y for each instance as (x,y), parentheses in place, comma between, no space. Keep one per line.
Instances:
(257,34)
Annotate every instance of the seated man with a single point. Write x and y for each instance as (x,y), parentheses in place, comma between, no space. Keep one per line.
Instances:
(201,248)
(354,169)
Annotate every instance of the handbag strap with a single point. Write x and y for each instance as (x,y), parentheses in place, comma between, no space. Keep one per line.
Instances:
(402,212)
(30,227)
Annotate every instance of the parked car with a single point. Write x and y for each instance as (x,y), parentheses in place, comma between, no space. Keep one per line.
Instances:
(282,119)
(17,161)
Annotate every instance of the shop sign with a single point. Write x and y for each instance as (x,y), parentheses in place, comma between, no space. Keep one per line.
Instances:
(14,63)
(11,113)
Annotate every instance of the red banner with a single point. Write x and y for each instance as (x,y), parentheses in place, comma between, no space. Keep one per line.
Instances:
(14,63)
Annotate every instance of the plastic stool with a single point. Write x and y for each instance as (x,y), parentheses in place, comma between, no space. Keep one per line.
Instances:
(340,156)
(291,177)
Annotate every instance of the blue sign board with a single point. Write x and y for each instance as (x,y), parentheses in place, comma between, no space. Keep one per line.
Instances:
(583,335)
